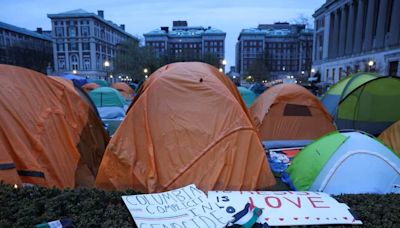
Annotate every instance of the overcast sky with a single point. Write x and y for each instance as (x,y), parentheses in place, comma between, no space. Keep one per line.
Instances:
(141,16)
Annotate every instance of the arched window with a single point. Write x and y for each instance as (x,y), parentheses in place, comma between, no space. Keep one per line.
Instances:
(74,62)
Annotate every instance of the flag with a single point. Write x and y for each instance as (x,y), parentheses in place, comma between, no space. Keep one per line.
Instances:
(62,223)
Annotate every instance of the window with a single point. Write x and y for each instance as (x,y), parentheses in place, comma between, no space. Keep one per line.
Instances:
(74,62)
(73,46)
(60,47)
(61,63)
(72,31)
(85,31)
(59,31)
(86,64)
(85,46)
(296,110)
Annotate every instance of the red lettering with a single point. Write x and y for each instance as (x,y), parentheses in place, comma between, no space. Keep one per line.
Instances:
(278,202)
(312,201)
(294,203)
(280,193)
(303,193)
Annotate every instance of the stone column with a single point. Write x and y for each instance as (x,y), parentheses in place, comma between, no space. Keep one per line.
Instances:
(336,34)
(394,24)
(381,24)
(342,31)
(350,30)
(326,37)
(359,27)
(369,27)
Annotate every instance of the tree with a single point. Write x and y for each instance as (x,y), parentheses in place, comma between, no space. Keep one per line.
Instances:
(258,70)
(303,20)
(131,59)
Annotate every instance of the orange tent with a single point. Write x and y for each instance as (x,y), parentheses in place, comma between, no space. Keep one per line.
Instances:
(124,89)
(89,87)
(187,125)
(391,137)
(49,136)
(290,112)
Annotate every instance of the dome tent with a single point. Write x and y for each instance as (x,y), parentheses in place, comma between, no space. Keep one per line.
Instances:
(100,82)
(247,95)
(290,112)
(371,107)
(391,137)
(90,86)
(107,97)
(49,136)
(187,125)
(341,89)
(346,163)
(125,90)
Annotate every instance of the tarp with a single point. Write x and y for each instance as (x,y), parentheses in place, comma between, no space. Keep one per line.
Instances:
(391,137)
(90,86)
(187,125)
(125,90)
(100,82)
(247,95)
(372,107)
(49,136)
(76,79)
(341,89)
(346,163)
(290,112)
(107,97)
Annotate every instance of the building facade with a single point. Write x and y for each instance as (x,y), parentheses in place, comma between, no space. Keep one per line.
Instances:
(285,48)
(25,48)
(84,42)
(356,35)
(185,43)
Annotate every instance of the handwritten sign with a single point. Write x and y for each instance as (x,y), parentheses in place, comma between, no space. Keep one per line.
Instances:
(179,208)
(286,208)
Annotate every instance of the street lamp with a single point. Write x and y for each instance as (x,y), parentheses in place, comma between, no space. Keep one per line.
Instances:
(313,70)
(224,62)
(74,71)
(145,70)
(220,70)
(106,65)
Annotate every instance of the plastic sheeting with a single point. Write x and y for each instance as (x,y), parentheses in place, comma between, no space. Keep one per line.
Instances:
(187,125)
(48,135)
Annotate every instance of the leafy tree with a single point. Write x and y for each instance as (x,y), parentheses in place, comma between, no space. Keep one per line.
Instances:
(258,70)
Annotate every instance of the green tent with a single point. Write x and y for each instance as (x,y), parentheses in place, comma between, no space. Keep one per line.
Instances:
(341,89)
(371,107)
(345,163)
(247,95)
(100,82)
(107,97)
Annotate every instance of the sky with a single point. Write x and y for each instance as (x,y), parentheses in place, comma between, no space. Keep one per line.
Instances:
(142,16)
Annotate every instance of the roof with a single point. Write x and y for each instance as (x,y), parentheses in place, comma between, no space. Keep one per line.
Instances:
(186,32)
(83,13)
(273,32)
(24,31)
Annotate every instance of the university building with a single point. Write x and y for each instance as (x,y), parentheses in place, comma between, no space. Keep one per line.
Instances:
(356,35)
(25,48)
(184,43)
(285,48)
(84,42)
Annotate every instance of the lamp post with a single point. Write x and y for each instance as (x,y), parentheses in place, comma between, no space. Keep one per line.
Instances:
(371,63)
(145,71)
(74,71)
(106,65)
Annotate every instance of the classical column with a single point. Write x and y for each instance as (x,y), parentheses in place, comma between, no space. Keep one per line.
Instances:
(394,24)
(350,30)
(331,39)
(336,32)
(358,35)
(326,37)
(342,30)
(381,24)
(369,27)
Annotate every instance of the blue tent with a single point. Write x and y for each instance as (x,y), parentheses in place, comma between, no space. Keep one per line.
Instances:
(77,80)
(247,95)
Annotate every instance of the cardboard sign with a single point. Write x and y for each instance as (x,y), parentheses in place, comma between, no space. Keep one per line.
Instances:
(286,208)
(180,208)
